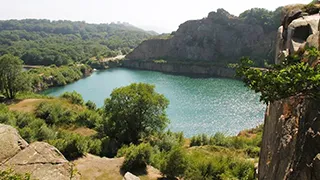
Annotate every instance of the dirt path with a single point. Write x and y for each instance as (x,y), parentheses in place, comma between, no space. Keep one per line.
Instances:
(26,105)
(119,57)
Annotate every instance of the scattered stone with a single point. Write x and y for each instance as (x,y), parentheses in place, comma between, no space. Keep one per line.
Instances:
(130,176)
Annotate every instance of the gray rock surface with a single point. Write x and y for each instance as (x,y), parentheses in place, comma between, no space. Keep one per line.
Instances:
(130,176)
(219,38)
(10,142)
(291,140)
(298,33)
(41,160)
(181,68)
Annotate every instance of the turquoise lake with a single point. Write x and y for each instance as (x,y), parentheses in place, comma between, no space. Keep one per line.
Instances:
(197,105)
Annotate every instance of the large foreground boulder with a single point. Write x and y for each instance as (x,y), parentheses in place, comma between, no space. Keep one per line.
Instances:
(10,142)
(41,160)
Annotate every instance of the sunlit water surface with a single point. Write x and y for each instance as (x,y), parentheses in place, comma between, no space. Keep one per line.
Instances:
(197,105)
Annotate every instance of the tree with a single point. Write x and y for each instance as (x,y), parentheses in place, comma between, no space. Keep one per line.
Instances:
(134,112)
(12,79)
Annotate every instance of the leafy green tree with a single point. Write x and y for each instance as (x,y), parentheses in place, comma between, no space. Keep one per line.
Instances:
(12,79)
(134,112)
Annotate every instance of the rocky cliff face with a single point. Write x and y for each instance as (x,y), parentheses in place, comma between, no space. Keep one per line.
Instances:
(219,38)
(41,160)
(291,140)
(181,68)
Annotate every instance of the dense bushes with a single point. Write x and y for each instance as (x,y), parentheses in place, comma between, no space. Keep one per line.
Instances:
(175,163)
(45,77)
(208,162)
(166,141)
(73,97)
(136,157)
(89,118)
(220,139)
(55,113)
(218,166)
(73,145)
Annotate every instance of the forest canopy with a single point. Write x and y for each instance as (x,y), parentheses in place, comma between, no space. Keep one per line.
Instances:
(45,42)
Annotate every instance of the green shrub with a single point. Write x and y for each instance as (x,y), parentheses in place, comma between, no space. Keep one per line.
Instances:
(253,152)
(200,140)
(218,166)
(137,157)
(89,118)
(11,175)
(45,133)
(71,145)
(6,117)
(91,105)
(95,146)
(157,158)
(166,141)
(175,163)
(55,113)
(73,97)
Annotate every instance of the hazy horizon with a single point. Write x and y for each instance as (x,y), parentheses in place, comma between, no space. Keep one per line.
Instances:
(161,16)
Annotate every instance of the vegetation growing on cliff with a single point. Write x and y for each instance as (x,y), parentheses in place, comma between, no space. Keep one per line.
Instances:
(297,75)
(268,20)
(45,77)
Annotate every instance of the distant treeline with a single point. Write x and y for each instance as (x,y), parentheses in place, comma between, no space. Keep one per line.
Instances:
(45,42)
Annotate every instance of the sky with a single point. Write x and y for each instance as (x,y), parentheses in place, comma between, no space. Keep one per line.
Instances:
(158,15)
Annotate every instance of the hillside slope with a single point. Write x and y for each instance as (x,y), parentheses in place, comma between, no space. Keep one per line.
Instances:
(45,42)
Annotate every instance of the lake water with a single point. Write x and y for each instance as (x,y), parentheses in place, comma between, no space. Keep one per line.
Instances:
(197,105)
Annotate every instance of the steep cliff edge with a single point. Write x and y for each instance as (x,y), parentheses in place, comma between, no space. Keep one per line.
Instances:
(220,38)
(291,140)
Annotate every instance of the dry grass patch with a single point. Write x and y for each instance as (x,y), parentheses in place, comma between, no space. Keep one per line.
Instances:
(27,105)
(83,131)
